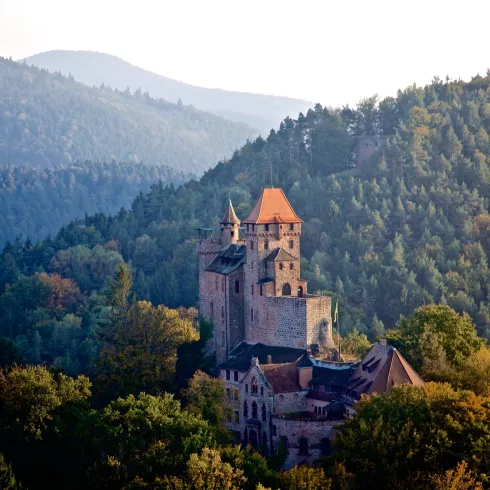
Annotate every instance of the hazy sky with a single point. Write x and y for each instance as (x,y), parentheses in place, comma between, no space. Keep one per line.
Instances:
(332,52)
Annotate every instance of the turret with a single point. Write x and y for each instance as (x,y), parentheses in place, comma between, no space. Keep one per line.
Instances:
(229,225)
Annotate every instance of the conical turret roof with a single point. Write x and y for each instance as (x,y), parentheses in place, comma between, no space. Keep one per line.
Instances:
(230,218)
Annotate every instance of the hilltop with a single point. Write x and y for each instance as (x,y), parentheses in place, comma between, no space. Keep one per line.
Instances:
(92,68)
(49,120)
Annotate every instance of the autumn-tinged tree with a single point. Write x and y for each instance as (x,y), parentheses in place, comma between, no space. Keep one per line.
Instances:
(403,438)
(436,325)
(206,471)
(304,478)
(459,478)
(141,351)
(30,396)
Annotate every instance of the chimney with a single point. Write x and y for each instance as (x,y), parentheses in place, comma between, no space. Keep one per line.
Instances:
(382,341)
(269,359)
(254,361)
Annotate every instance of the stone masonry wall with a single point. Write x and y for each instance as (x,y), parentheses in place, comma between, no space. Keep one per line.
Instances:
(319,320)
(314,430)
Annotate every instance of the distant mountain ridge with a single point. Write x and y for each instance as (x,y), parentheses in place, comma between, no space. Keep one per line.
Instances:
(92,68)
(49,120)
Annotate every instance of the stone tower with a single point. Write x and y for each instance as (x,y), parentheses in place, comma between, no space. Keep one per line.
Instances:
(251,288)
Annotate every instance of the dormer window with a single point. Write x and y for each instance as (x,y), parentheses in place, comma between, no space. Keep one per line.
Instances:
(251,245)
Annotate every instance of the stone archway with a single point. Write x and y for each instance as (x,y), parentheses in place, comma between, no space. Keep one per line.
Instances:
(286,289)
(300,291)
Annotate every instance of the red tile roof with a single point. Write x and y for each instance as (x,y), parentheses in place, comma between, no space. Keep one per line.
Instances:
(272,207)
(282,377)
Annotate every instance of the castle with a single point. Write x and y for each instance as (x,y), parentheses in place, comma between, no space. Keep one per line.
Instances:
(270,337)
(251,287)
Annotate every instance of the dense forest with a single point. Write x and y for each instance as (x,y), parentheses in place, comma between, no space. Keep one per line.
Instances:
(258,111)
(48,120)
(100,318)
(36,202)
(409,228)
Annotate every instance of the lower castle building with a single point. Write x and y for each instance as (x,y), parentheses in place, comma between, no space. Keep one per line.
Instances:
(271,337)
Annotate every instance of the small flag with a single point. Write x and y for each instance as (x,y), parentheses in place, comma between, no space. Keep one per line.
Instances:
(336,312)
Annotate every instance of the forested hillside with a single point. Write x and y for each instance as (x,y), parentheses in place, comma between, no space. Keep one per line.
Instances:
(48,120)
(36,202)
(258,111)
(409,228)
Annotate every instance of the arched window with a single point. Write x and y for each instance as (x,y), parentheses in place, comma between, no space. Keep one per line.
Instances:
(303,446)
(245,409)
(254,410)
(254,385)
(252,438)
(281,265)
(264,414)
(291,265)
(286,290)
(326,446)
(300,291)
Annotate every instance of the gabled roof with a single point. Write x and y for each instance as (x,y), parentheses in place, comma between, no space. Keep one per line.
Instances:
(279,254)
(382,368)
(228,260)
(283,378)
(272,207)
(241,356)
(230,218)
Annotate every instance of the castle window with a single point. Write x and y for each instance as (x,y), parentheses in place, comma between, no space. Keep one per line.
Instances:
(251,314)
(253,227)
(237,286)
(223,340)
(232,234)
(251,245)
(235,376)
(254,385)
(291,265)
(228,375)
(291,243)
(326,446)
(245,409)
(303,446)
(266,227)
(252,289)
(212,309)
(237,417)
(246,387)
(262,391)
(254,411)
(264,414)
(248,227)
(222,312)
(286,290)
(261,290)
(281,265)
(300,291)
(291,226)
(251,265)
(216,283)
(266,245)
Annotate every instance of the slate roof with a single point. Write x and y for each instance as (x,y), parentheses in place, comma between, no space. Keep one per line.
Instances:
(283,378)
(241,356)
(230,216)
(279,254)
(272,207)
(382,368)
(324,375)
(229,259)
